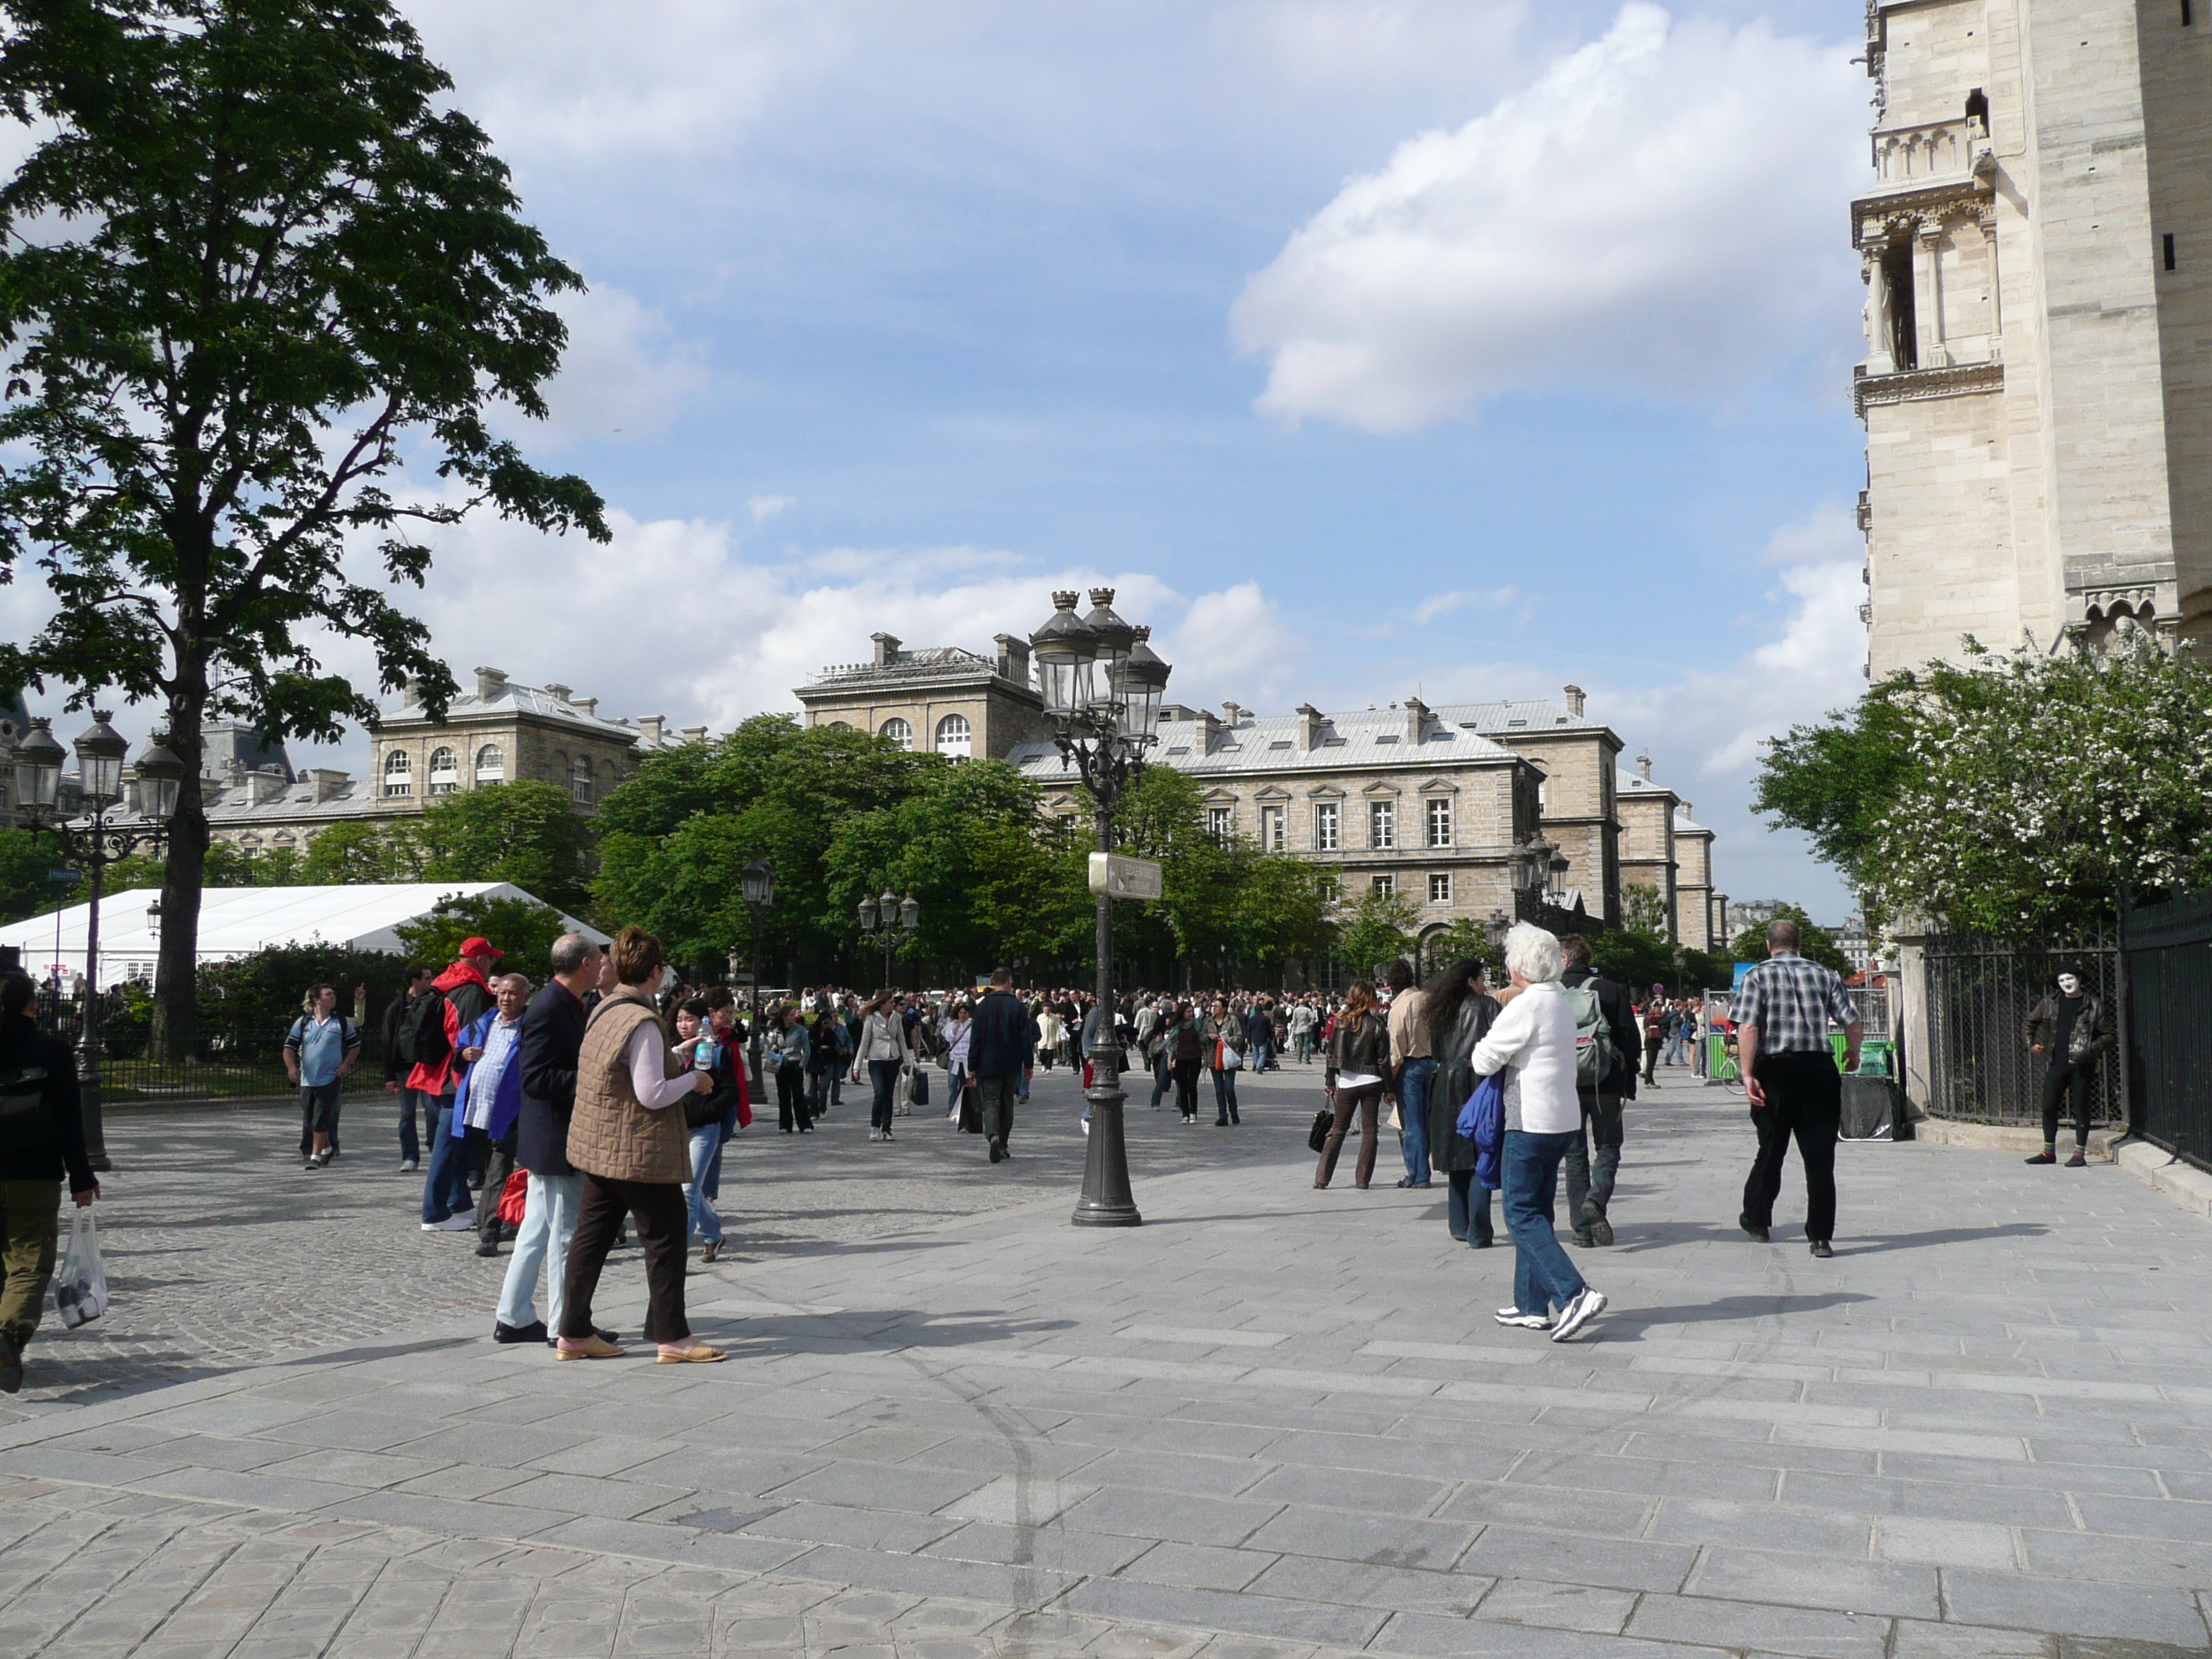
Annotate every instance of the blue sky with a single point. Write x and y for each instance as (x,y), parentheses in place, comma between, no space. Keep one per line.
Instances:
(1367,344)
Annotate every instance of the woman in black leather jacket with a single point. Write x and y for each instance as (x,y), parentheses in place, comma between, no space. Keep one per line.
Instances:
(1358,1064)
(1460,1011)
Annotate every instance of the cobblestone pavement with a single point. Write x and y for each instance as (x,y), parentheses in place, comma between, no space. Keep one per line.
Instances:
(221,1251)
(1271,1424)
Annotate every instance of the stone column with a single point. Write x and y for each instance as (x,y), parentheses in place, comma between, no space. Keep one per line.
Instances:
(1931,247)
(1985,216)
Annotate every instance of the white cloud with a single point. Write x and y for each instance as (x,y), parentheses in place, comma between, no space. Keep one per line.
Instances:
(1443,605)
(1232,644)
(1824,534)
(625,375)
(1656,209)
(1378,45)
(764,508)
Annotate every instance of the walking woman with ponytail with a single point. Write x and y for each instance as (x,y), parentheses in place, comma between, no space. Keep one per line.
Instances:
(1357,1059)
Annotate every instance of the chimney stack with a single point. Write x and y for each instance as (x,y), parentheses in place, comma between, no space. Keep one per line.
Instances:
(587,706)
(1417,719)
(1643,768)
(491,684)
(887,647)
(558,693)
(329,784)
(695,734)
(1209,728)
(410,692)
(265,784)
(1235,712)
(1013,658)
(1575,702)
(648,729)
(1311,721)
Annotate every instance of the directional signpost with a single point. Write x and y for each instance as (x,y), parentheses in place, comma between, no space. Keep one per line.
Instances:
(1116,877)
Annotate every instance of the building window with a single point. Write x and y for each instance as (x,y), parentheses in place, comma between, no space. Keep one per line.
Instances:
(1325,827)
(841,725)
(1440,887)
(1543,797)
(900,733)
(397,775)
(580,781)
(1221,821)
(491,764)
(444,772)
(1271,829)
(1440,823)
(955,737)
(1382,824)
(1385,883)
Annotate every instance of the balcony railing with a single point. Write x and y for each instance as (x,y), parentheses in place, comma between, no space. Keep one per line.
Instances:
(1933,153)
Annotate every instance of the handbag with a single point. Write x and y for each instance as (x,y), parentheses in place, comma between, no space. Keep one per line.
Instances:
(920,1086)
(1317,1137)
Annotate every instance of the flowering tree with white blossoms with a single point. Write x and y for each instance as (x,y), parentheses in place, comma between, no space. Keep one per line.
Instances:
(2029,789)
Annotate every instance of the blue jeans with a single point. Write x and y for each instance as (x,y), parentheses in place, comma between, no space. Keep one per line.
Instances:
(1259,1056)
(1160,1078)
(548,1222)
(1224,1097)
(445,1188)
(411,1149)
(1543,1275)
(1414,1078)
(706,1226)
(1467,1213)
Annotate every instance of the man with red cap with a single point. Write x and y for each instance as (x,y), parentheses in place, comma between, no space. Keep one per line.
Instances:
(429,1033)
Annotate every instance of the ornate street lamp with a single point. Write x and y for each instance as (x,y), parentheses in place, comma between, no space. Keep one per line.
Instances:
(892,923)
(95,842)
(756,883)
(1101,681)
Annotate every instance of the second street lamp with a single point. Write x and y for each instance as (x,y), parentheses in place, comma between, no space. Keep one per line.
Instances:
(96,842)
(1101,682)
(892,923)
(756,883)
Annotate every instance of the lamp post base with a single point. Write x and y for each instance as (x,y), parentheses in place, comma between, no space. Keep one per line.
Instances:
(1107,1199)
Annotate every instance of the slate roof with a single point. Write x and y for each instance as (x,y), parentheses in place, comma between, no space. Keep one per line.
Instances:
(1368,737)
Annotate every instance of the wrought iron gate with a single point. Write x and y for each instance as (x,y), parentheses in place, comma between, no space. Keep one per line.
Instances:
(2167,1015)
(1979,991)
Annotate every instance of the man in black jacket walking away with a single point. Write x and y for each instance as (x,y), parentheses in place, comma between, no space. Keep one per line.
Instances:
(1605,1056)
(552,1037)
(998,1049)
(41,1144)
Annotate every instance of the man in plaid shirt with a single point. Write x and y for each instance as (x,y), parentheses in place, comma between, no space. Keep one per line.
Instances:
(1782,1010)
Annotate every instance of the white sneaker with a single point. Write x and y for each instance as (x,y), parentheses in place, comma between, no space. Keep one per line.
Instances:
(1527,1321)
(409,1168)
(1578,1313)
(465,1222)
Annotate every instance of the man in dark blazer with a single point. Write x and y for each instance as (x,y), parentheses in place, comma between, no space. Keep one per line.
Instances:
(552,1037)
(999,1049)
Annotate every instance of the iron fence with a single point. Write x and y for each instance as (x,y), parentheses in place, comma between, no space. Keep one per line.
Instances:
(1979,991)
(231,1056)
(2166,1013)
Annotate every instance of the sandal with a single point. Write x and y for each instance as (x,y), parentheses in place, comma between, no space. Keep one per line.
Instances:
(692,1353)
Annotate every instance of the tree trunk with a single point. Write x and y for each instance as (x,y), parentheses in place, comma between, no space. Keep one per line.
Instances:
(176,981)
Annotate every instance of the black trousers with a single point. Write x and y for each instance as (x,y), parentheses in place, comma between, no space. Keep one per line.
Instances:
(499,1165)
(1804,1100)
(663,1226)
(2067,1077)
(791,1096)
(1186,1087)
(884,1074)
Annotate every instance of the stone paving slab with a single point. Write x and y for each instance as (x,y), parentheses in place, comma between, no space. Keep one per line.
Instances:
(1273,1422)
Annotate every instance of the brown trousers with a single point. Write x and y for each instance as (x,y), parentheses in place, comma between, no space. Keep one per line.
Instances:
(663,1226)
(30,1212)
(1367,1101)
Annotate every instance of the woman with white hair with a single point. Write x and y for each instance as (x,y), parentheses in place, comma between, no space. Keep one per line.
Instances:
(1533,1042)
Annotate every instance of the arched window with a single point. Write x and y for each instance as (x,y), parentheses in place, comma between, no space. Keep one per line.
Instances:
(955,737)
(398,776)
(841,725)
(580,781)
(491,764)
(898,731)
(444,772)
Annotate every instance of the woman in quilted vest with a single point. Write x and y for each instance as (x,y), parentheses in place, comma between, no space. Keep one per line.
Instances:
(627,1139)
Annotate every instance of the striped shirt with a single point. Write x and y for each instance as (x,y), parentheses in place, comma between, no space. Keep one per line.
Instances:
(1791,1001)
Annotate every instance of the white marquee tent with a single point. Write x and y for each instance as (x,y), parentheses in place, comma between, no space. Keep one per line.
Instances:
(236,921)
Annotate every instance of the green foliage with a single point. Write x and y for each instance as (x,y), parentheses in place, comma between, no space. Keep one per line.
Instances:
(26,856)
(1814,942)
(523,832)
(350,855)
(1380,929)
(1642,910)
(257,263)
(525,930)
(1834,781)
(1464,938)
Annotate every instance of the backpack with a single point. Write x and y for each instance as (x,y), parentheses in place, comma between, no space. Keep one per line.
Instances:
(25,1124)
(422,1040)
(1593,1053)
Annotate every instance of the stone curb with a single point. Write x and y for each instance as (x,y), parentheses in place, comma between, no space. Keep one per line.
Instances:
(2182,1184)
(2005,1138)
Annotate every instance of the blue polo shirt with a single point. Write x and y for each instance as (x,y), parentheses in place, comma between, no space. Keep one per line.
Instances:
(321,1045)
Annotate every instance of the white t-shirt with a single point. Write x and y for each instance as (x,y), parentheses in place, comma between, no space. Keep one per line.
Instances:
(1535,1036)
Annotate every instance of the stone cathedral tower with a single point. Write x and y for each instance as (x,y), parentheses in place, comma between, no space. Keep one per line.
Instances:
(2038,388)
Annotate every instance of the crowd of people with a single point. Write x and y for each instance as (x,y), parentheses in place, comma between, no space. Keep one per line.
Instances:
(549,1120)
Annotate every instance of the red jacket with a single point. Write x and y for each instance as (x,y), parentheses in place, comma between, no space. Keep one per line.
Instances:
(467,998)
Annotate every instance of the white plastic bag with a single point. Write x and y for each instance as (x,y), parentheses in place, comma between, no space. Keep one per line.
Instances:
(81,1282)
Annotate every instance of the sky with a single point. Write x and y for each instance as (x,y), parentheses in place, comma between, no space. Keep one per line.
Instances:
(1368,347)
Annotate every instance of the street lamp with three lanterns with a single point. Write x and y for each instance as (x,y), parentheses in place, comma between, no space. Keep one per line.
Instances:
(1102,682)
(892,923)
(756,884)
(96,840)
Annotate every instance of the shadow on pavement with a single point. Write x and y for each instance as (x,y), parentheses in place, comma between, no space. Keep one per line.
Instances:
(1727,1308)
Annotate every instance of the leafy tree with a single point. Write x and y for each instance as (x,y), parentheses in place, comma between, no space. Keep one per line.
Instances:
(348,855)
(1642,910)
(1381,930)
(524,930)
(2036,787)
(1814,942)
(525,833)
(27,857)
(270,259)
(1834,781)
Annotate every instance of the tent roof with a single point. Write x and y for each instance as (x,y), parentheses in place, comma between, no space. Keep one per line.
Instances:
(235,922)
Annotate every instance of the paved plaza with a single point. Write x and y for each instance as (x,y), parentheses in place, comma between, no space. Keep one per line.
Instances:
(1271,1422)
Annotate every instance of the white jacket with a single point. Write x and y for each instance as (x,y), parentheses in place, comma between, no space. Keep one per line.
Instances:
(1535,1036)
